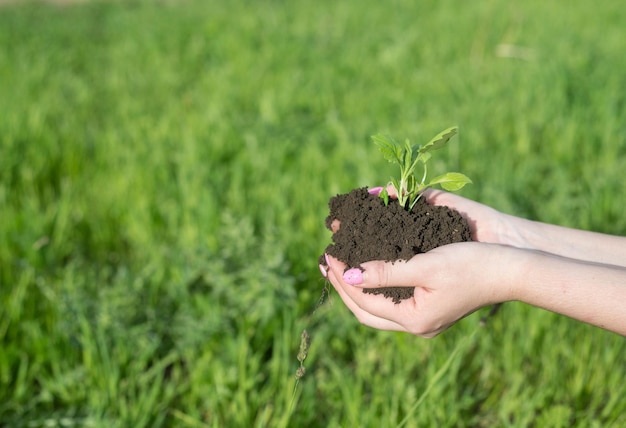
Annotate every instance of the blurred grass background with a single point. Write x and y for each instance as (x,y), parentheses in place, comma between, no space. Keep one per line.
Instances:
(165,169)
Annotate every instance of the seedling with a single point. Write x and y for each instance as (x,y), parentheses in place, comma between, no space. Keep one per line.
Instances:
(409,187)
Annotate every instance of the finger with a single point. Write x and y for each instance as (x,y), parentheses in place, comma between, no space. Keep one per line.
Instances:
(439,197)
(375,191)
(357,301)
(411,315)
(323,270)
(433,196)
(375,310)
(385,274)
(364,317)
(391,191)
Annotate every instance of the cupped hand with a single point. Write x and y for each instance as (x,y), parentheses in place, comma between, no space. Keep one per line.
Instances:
(450,283)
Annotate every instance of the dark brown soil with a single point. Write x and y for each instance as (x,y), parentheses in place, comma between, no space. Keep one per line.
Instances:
(372,231)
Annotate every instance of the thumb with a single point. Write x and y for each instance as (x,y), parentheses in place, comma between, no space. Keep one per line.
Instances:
(378,273)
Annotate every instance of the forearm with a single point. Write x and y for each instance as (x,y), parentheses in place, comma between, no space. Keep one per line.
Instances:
(566,242)
(588,292)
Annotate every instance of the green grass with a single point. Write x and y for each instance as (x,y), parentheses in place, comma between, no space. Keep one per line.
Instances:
(164,174)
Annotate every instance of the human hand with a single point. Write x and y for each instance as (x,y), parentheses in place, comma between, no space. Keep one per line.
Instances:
(510,258)
(450,283)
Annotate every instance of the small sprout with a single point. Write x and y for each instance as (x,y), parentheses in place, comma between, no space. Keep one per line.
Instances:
(409,188)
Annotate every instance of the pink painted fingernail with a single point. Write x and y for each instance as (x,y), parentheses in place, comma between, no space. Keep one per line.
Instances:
(353,276)
(323,270)
(375,191)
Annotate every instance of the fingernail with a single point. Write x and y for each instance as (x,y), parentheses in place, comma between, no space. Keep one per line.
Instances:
(327,261)
(353,276)
(323,270)
(375,191)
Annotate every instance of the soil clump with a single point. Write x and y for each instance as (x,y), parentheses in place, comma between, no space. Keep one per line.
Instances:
(372,231)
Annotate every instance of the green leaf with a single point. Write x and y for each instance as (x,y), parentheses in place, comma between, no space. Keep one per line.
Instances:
(389,148)
(396,185)
(384,195)
(408,159)
(425,157)
(440,139)
(399,192)
(407,156)
(452,181)
(411,184)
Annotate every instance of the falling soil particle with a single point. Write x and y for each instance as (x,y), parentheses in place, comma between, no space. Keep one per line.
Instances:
(372,231)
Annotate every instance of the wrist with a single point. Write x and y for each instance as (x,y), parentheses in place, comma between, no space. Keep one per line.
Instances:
(512,267)
(515,232)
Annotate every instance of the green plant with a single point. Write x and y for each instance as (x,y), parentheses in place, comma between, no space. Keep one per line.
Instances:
(407,156)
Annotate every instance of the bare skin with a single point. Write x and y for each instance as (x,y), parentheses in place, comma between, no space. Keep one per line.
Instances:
(575,273)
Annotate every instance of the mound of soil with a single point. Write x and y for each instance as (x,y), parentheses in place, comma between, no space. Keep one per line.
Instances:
(372,231)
